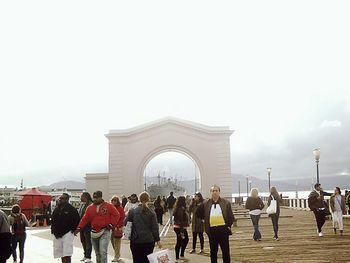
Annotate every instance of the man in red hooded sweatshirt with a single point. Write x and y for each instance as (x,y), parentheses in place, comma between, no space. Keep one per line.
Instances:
(103,217)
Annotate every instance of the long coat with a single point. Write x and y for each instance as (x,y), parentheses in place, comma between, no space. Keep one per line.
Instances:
(332,203)
(197,223)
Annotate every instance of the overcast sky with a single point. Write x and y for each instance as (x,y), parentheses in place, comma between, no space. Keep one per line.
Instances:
(277,72)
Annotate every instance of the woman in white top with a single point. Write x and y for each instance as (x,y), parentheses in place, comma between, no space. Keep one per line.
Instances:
(337,204)
(255,205)
(133,202)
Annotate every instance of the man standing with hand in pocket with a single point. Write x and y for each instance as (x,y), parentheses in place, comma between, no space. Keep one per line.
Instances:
(218,218)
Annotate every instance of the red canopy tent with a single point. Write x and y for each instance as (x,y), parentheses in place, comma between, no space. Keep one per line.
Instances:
(34,201)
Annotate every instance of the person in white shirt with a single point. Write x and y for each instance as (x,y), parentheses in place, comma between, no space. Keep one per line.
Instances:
(133,202)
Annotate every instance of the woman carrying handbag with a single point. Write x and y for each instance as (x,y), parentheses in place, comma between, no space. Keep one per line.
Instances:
(275,201)
(117,232)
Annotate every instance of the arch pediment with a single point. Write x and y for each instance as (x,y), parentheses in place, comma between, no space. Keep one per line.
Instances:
(170,121)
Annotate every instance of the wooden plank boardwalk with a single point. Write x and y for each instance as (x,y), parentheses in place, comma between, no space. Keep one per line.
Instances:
(298,242)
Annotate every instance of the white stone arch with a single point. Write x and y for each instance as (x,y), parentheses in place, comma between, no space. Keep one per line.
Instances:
(172,148)
(130,150)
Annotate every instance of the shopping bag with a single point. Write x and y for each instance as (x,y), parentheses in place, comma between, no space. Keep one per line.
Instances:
(272,208)
(162,256)
(127,230)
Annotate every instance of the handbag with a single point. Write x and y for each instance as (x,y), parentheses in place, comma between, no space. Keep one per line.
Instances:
(272,208)
(117,232)
(162,256)
(127,230)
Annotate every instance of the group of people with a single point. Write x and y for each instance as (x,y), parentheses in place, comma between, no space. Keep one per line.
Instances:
(336,207)
(320,208)
(256,205)
(99,222)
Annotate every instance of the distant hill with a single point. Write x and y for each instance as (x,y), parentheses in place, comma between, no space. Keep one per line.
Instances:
(67,184)
(304,184)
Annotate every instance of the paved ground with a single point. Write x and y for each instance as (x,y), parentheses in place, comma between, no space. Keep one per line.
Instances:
(39,249)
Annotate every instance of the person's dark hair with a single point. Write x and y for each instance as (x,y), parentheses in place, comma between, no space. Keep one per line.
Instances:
(317,185)
(117,199)
(97,194)
(16,209)
(158,198)
(87,196)
(66,196)
(338,189)
(273,190)
(171,193)
(200,197)
(180,202)
(133,198)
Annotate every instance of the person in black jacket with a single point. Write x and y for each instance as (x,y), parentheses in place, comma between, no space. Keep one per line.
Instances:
(85,233)
(158,209)
(170,201)
(318,206)
(255,205)
(275,217)
(181,222)
(145,230)
(65,220)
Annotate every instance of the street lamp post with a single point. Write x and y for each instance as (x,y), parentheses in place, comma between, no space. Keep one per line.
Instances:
(239,192)
(269,176)
(317,154)
(247,178)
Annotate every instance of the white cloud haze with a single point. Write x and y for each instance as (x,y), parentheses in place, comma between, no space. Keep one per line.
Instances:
(276,72)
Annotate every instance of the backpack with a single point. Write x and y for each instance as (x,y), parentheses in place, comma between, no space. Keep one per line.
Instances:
(19,225)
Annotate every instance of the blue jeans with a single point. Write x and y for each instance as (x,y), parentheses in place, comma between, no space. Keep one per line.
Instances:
(101,246)
(20,239)
(255,221)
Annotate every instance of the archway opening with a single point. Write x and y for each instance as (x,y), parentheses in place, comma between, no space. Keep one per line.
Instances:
(171,171)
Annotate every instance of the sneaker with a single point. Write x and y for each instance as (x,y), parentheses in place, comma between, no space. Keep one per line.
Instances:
(88,260)
(183,258)
(201,252)
(275,238)
(192,251)
(179,261)
(320,234)
(116,260)
(83,259)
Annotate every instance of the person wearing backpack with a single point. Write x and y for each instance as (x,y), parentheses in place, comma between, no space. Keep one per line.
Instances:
(18,223)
